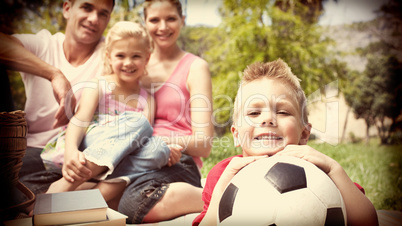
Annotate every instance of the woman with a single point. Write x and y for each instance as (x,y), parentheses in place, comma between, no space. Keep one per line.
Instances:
(181,85)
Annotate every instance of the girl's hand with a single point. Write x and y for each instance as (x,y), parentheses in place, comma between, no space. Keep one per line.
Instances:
(74,168)
(322,161)
(175,154)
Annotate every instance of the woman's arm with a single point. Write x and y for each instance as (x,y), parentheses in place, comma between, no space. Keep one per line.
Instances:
(200,87)
(74,162)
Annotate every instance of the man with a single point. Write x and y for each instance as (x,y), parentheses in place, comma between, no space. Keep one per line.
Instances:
(51,65)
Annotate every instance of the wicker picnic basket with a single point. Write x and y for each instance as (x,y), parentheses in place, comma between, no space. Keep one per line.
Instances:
(13,130)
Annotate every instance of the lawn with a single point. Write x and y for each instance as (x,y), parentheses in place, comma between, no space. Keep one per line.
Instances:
(377,168)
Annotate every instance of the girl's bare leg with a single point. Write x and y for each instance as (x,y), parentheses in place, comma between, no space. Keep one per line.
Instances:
(176,203)
(62,185)
(87,185)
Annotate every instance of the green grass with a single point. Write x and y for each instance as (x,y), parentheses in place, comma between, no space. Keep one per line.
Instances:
(377,168)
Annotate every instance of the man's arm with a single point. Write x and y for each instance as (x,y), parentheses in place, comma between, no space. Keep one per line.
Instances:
(14,56)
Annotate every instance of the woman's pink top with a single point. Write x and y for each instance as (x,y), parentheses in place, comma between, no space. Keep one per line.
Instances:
(172,116)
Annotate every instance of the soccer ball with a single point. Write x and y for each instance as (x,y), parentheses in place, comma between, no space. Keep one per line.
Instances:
(281,190)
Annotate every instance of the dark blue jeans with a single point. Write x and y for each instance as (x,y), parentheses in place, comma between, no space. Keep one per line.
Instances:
(135,202)
(33,173)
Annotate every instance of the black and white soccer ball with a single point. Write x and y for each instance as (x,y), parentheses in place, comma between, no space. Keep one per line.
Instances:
(281,190)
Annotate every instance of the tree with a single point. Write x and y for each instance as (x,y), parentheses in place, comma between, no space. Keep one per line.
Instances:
(390,24)
(373,96)
(377,93)
(196,39)
(309,14)
(262,30)
(31,16)
(128,10)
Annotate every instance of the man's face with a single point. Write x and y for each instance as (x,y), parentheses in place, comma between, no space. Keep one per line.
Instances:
(269,118)
(87,19)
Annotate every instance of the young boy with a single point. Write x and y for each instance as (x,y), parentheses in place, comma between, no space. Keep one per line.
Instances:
(270,118)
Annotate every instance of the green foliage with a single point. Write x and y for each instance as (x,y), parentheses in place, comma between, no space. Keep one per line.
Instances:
(391,22)
(47,15)
(123,12)
(377,168)
(222,148)
(256,30)
(18,16)
(17,90)
(308,10)
(376,93)
(196,40)
(29,17)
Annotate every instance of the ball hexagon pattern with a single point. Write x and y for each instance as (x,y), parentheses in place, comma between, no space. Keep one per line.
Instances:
(281,190)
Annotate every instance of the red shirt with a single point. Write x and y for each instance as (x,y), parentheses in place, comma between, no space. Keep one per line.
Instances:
(212,179)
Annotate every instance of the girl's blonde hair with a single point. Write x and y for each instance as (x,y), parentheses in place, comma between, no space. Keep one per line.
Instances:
(122,30)
(277,69)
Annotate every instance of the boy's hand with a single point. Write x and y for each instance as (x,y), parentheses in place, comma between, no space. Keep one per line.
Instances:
(74,168)
(234,166)
(322,161)
(359,209)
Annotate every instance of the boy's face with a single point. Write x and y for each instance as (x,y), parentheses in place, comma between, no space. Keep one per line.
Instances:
(269,118)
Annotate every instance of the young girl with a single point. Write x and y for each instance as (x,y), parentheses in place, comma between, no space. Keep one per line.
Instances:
(110,136)
(181,85)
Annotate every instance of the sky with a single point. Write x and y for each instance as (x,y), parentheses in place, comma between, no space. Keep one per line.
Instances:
(205,12)
(349,11)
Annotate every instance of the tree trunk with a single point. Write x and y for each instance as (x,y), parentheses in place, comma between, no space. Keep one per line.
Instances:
(345,124)
(367,131)
(383,132)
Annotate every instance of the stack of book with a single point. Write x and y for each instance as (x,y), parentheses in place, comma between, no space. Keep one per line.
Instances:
(85,207)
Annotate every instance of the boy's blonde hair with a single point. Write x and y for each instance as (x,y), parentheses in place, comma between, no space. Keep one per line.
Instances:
(121,30)
(277,69)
